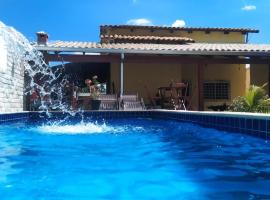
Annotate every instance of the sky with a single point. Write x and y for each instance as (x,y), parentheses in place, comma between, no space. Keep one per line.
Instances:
(79,20)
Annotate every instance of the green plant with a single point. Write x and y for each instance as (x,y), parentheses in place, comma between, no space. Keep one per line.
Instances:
(255,100)
(92,87)
(95,93)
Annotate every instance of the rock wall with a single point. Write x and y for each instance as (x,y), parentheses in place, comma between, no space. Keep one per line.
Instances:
(11,80)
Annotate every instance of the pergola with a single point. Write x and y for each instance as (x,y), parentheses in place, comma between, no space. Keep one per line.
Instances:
(200,54)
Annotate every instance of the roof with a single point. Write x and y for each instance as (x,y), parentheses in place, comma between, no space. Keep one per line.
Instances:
(174,49)
(147,38)
(243,30)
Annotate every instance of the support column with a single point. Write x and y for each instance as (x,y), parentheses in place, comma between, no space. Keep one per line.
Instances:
(122,74)
(200,79)
(45,57)
(248,78)
(268,80)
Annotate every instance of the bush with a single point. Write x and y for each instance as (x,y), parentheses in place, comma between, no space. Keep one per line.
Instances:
(255,100)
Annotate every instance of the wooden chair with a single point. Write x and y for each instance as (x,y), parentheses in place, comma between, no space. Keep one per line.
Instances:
(154,100)
(168,98)
(179,95)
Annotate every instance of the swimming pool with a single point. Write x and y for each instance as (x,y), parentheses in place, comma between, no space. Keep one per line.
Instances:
(133,158)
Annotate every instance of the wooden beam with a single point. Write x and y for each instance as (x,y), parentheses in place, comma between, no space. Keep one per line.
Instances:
(154,59)
(82,58)
(193,60)
(200,81)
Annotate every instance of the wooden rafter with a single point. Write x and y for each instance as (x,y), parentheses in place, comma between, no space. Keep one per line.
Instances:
(157,58)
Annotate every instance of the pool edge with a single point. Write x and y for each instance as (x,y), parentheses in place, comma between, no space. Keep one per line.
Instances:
(254,124)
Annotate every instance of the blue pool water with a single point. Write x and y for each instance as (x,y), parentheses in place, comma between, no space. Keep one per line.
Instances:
(131,159)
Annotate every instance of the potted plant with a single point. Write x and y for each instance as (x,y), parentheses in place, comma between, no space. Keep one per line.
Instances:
(93,89)
(95,101)
(95,93)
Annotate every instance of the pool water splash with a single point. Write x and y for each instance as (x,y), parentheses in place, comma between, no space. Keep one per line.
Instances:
(90,126)
(80,128)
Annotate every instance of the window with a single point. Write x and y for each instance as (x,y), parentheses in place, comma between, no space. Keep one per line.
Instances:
(216,90)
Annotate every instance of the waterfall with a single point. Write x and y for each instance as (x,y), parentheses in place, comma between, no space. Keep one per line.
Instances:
(39,77)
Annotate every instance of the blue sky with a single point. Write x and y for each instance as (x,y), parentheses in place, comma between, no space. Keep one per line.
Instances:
(80,19)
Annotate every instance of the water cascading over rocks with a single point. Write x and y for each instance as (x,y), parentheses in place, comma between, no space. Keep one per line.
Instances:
(23,71)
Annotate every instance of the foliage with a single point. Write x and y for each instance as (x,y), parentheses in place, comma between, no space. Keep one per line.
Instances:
(92,87)
(255,100)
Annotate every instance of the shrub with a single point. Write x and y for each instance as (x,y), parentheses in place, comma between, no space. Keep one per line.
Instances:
(255,100)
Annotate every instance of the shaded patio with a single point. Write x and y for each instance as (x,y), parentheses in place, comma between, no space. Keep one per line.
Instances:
(154,57)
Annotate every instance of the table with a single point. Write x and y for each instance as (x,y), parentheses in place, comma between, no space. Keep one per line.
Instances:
(173,97)
(84,101)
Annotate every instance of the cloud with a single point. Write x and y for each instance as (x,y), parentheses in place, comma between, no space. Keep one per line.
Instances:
(249,7)
(140,22)
(179,23)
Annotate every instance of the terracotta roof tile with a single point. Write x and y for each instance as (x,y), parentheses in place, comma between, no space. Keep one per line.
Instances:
(130,38)
(244,30)
(193,48)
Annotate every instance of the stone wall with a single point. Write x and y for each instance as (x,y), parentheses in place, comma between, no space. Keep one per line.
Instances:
(11,80)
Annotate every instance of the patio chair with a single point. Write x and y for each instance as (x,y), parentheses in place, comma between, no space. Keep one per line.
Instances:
(179,98)
(168,97)
(150,97)
(153,100)
(131,102)
(108,102)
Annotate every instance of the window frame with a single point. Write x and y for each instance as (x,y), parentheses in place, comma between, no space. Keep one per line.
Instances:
(216,85)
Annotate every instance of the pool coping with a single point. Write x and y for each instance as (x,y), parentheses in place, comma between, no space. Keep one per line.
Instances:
(255,124)
(221,113)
